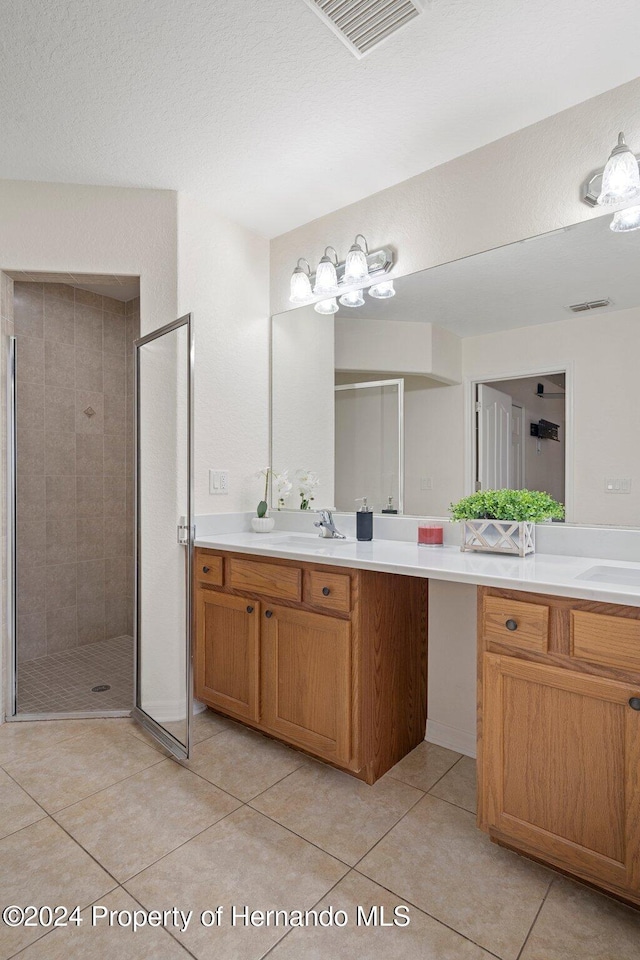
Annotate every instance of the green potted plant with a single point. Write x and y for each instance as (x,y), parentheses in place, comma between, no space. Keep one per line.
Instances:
(261,523)
(503,521)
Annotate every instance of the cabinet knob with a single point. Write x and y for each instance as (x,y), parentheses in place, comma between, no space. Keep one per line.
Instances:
(269,614)
(511,625)
(634,703)
(249,609)
(326,591)
(206,569)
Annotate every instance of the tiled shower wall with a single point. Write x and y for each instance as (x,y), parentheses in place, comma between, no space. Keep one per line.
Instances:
(75,466)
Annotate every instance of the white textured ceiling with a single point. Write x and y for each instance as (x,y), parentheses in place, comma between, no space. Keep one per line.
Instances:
(519,285)
(259,109)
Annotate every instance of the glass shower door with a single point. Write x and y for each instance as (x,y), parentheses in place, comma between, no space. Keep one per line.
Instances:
(164,534)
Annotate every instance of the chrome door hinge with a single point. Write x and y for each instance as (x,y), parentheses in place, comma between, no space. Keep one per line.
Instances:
(478,406)
(478,485)
(185,533)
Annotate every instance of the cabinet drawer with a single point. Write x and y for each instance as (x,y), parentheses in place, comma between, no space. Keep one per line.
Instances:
(208,569)
(270,579)
(524,626)
(331,591)
(608,641)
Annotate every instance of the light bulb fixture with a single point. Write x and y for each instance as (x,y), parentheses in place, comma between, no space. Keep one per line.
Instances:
(301,283)
(382,291)
(356,269)
(621,176)
(326,307)
(326,277)
(626,220)
(353,298)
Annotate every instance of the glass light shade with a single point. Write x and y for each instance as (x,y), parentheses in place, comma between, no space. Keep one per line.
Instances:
(326,306)
(621,176)
(382,291)
(300,286)
(355,268)
(626,220)
(326,278)
(352,299)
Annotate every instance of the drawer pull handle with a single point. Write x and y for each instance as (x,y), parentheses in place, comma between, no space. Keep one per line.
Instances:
(326,591)
(249,609)
(634,703)
(511,625)
(269,614)
(206,569)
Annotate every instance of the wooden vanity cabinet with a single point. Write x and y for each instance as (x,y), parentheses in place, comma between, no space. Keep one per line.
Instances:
(559,734)
(330,660)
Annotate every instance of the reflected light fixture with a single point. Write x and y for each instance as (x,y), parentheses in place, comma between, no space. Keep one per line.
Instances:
(621,176)
(326,277)
(352,299)
(382,291)
(301,283)
(326,306)
(356,269)
(626,220)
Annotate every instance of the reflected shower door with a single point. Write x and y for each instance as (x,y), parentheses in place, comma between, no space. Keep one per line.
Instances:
(164,534)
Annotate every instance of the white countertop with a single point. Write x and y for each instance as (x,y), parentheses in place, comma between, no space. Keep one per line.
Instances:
(537,573)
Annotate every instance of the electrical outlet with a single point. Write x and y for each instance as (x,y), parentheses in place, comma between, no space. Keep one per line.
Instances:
(617,485)
(426,483)
(219,482)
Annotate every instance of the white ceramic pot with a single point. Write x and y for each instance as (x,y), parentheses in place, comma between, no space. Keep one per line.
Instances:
(263,524)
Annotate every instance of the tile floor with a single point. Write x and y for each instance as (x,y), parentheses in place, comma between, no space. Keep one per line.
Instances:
(62,682)
(93,812)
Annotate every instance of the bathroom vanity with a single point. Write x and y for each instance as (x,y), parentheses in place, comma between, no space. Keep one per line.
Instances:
(325,647)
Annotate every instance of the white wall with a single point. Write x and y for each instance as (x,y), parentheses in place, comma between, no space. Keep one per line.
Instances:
(223,279)
(520,186)
(397,347)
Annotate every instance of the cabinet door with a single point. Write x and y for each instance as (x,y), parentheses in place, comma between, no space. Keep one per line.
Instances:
(561,754)
(306,680)
(228,653)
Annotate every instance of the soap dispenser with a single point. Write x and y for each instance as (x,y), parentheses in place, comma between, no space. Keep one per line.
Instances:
(389,507)
(364,521)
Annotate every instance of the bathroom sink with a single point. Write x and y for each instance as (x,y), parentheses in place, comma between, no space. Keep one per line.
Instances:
(626,575)
(308,541)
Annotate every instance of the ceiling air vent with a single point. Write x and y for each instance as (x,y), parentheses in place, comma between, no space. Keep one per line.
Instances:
(363,24)
(590,305)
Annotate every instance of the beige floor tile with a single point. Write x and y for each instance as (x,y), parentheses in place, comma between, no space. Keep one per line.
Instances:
(81,766)
(42,865)
(576,923)
(104,942)
(424,765)
(133,823)
(422,939)
(17,809)
(244,859)
(440,861)
(344,816)
(209,724)
(22,739)
(242,762)
(459,785)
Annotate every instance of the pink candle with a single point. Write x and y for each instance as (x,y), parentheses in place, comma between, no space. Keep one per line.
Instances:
(430,535)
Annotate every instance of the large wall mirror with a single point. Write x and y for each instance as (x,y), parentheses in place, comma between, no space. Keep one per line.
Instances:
(517,367)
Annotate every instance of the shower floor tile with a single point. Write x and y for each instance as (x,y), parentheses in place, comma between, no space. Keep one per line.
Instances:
(62,682)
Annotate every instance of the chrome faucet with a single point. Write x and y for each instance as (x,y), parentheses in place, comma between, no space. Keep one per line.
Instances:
(327,526)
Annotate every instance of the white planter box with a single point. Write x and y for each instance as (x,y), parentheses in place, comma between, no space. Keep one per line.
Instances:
(499,536)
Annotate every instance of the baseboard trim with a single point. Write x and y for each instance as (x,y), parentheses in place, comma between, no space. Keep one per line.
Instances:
(453,739)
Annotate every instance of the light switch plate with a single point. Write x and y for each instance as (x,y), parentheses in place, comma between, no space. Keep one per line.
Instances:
(219,482)
(617,485)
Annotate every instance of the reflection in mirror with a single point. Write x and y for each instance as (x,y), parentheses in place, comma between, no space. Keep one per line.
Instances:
(561,310)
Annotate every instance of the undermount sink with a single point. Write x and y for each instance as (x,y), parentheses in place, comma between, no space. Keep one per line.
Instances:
(626,575)
(303,541)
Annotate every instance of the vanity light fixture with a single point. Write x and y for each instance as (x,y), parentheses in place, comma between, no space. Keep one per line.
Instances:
(326,277)
(356,269)
(353,298)
(326,307)
(301,283)
(382,291)
(626,220)
(621,176)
